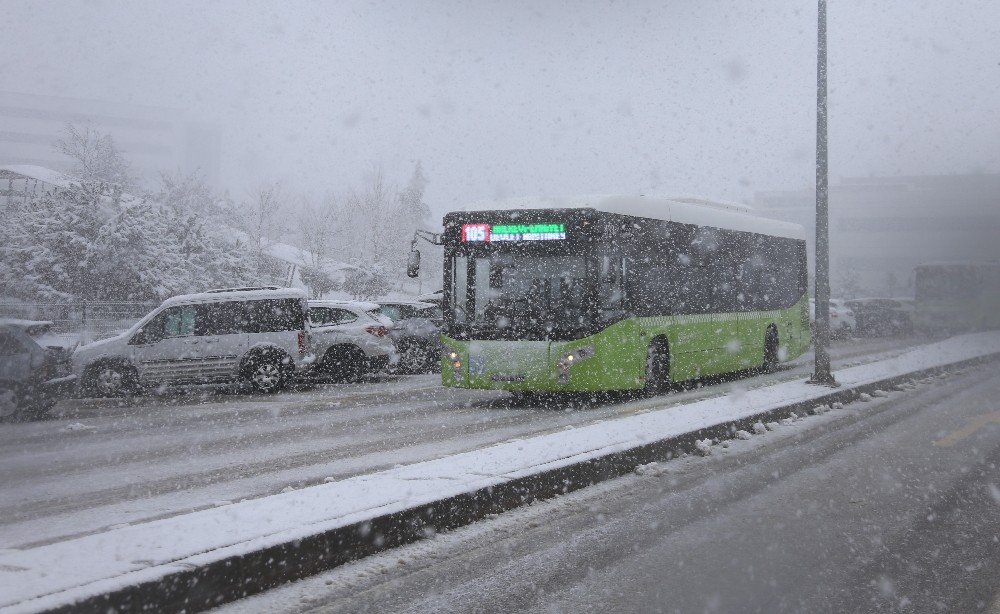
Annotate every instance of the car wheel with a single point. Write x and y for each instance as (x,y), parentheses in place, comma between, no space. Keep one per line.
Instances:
(265,373)
(345,363)
(657,367)
(412,359)
(109,380)
(9,401)
(770,350)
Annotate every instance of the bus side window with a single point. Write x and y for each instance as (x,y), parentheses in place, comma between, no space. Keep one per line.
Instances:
(460,289)
(611,277)
(496,276)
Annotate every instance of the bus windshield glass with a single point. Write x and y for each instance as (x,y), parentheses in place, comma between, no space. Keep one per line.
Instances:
(520,296)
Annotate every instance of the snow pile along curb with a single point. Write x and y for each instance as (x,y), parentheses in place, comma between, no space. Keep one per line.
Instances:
(199,560)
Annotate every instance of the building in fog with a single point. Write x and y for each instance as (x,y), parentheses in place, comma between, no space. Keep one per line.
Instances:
(881,227)
(152,139)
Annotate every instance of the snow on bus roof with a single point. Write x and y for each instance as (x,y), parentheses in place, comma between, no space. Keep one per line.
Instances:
(685,209)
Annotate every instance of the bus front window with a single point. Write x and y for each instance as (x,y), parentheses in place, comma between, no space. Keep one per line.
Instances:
(520,294)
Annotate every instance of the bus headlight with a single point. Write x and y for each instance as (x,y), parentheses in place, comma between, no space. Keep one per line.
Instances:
(455,360)
(571,357)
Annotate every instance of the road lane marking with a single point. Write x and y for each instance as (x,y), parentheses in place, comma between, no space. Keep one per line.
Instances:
(974,425)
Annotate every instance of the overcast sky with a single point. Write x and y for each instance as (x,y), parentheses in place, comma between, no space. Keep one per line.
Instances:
(714,97)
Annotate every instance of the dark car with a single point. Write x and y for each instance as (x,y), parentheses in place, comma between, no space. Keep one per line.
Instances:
(881,316)
(416,332)
(35,370)
(432,297)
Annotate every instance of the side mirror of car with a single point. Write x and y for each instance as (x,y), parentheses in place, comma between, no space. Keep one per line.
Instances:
(413,263)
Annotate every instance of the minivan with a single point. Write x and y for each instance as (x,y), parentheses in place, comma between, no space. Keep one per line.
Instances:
(259,336)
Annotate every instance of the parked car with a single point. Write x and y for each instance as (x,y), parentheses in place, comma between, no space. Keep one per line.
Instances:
(350,338)
(35,369)
(905,309)
(432,297)
(881,316)
(416,331)
(255,335)
(842,320)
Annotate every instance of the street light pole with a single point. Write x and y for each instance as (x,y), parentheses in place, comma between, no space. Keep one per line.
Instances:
(822,375)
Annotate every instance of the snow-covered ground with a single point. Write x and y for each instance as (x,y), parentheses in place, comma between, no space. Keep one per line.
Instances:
(34,579)
(107,463)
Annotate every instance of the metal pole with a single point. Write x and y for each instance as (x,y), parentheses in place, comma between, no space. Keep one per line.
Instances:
(822,373)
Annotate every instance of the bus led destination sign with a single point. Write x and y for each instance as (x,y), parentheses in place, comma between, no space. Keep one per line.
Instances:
(513,232)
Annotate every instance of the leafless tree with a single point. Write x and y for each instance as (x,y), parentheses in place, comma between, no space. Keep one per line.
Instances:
(96,157)
(261,218)
(320,229)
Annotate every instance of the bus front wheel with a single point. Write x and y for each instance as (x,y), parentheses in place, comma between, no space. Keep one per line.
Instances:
(657,367)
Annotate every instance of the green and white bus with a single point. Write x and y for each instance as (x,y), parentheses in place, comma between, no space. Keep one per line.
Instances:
(617,293)
(957,297)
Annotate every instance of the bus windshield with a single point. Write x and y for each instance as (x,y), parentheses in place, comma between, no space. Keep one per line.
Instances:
(520,296)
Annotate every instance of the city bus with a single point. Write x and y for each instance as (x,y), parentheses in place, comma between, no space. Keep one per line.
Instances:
(605,293)
(956,297)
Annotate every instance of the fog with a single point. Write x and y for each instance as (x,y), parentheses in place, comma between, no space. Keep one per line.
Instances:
(515,97)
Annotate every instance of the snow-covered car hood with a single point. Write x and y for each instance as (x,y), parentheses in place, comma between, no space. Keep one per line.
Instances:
(416,327)
(103,346)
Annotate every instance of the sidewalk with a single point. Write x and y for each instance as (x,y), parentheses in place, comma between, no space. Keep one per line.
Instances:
(199,560)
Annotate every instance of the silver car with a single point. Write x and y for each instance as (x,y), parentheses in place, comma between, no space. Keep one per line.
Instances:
(842,322)
(417,334)
(256,335)
(350,338)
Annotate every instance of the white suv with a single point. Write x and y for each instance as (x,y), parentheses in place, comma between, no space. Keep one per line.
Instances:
(350,338)
(842,322)
(257,335)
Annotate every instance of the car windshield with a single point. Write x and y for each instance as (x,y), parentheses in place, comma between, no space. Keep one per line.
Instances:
(396,312)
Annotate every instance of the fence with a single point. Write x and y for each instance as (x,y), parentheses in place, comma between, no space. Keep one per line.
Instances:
(92,321)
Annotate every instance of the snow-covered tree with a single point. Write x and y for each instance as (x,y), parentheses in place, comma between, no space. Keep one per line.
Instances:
(412,198)
(262,219)
(212,256)
(367,280)
(47,247)
(96,158)
(320,227)
(379,222)
(137,258)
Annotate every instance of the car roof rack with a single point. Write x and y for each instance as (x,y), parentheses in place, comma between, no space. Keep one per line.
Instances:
(248,289)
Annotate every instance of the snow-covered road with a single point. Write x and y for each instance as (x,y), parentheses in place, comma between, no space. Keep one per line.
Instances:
(103,463)
(888,505)
(203,558)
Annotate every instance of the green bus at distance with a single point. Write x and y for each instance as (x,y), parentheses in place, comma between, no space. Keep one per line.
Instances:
(957,297)
(606,293)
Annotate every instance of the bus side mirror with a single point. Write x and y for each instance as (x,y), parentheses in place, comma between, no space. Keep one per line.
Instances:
(413,263)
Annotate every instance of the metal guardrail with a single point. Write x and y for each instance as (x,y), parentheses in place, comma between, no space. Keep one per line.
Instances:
(92,321)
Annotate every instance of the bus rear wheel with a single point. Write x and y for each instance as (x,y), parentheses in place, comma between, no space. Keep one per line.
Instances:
(657,367)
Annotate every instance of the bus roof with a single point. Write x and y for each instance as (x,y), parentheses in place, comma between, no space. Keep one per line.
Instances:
(685,209)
